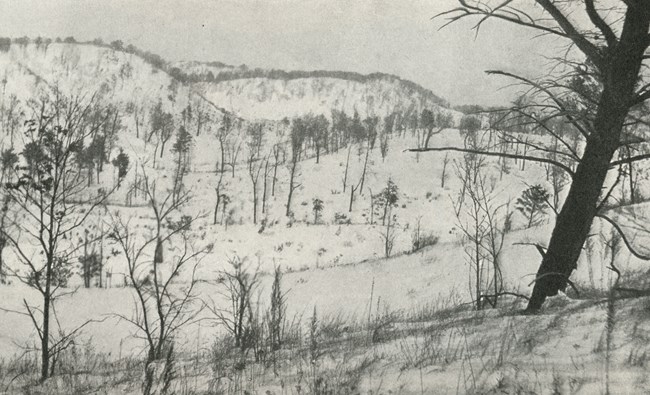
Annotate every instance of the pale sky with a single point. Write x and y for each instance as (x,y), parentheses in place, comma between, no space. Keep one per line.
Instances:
(365,36)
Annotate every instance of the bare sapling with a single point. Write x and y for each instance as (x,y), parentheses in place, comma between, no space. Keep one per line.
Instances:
(235,309)
(162,305)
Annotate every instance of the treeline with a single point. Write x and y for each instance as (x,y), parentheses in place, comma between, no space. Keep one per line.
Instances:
(153,59)
(243,72)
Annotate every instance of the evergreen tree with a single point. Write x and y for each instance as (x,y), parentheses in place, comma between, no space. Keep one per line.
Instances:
(533,204)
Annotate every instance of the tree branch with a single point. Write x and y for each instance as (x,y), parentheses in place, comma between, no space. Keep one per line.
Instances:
(624,238)
(498,154)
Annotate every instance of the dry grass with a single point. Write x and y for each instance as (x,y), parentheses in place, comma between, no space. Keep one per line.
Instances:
(426,350)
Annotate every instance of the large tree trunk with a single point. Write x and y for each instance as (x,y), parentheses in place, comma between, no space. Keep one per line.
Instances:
(573,224)
(620,70)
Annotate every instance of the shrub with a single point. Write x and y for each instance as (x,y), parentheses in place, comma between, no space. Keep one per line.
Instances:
(342,219)
(422,240)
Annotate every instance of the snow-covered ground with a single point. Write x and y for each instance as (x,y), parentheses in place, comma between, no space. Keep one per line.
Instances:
(339,268)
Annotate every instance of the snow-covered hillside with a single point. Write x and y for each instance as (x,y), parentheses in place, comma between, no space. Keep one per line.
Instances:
(276,98)
(106,77)
(276,94)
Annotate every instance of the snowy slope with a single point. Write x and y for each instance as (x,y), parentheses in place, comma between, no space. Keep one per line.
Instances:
(122,80)
(276,94)
(277,99)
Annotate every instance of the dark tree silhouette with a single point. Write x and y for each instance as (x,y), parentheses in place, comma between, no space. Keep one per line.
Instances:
(121,163)
(595,88)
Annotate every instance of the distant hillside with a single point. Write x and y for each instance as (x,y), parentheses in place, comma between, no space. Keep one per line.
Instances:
(215,72)
(255,93)
(276,94)
(125,82)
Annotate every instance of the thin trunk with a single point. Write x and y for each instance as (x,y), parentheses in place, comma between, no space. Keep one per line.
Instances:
(101,256)
(45,333)
(137,125)
(86,266)
(365,167)
(275,176)
(444,171)
(155,150)
(352,189)
(255,203)
(216,206)
(162,147)
(347,165)
(291,185)
(223,157)
(45,344)
(523,161)
(372,207)
(477,257)
(223,216)
(266,171)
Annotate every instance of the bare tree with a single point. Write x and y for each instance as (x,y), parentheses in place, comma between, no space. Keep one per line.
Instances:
(234,143)
(472,223)
(223,134)
(318,132)
(161,306)
(599,85)
(277,151)
(370,128)
(255,164)
(181,147)
(202,116)
(299,128)
(443,175)
(347,167)
(434,123)
(46,200)
(266,172)
(389,234)
(240,284)
(162,126)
